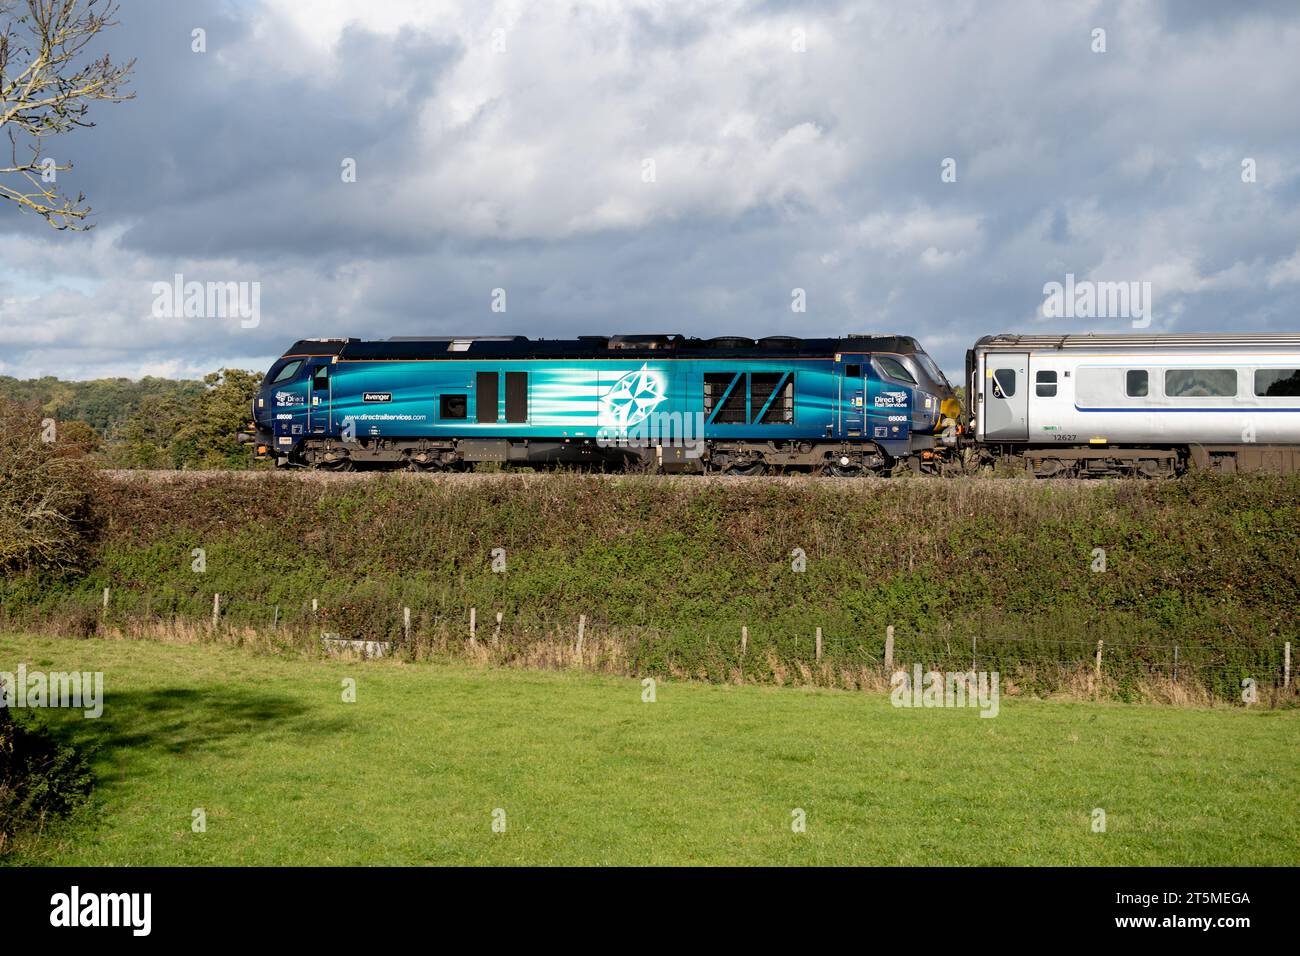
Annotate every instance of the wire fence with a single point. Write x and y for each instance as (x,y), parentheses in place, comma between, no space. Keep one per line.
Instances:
(1231,671)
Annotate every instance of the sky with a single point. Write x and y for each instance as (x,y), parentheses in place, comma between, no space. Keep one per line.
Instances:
(553,169)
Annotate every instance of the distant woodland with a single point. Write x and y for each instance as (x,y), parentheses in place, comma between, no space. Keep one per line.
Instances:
(150,423)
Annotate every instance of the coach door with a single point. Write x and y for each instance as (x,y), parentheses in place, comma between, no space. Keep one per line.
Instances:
(318,398)
(1006,396)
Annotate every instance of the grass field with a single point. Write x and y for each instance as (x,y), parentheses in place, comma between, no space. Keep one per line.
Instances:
(587,773)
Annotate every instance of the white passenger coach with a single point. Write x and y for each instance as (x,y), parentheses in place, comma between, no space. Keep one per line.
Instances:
(1131,404)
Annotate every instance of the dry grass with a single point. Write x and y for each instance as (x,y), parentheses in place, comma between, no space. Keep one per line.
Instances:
(617,653)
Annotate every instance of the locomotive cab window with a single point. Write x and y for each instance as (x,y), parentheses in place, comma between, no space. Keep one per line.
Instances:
(894,369)
(1277,382)
(288,372)
(320,378)
(1137,383)
(453,407)
(1200,382)
(1045,384)
(1004,383)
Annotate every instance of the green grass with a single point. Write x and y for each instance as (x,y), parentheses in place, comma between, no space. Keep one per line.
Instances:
(589,774)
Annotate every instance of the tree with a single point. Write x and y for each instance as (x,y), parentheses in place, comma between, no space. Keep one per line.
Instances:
(45,495)
(206,437)
(47,83)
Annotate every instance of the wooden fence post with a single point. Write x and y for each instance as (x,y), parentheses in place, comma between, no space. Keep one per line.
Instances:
(275,621)
(744,639)
(1286,666)
(819,643)
(582,627)
(496,631)
(406,623)
(473,621)
(315,607)
(1096,670)
(1175,663)
(216,609)
(889,648)
(105,599)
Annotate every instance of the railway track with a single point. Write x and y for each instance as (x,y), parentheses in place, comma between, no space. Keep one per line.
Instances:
(336,477)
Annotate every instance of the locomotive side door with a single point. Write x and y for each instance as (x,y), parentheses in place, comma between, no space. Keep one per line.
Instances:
(318,397)
(850,398)
(1006,396)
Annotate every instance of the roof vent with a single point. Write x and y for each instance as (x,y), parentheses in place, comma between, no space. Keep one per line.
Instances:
(644,341)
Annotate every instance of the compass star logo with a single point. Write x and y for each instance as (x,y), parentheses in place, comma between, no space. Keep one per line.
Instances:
(633,397)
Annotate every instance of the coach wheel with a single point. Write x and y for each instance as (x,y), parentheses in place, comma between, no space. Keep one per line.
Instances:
(1154,468)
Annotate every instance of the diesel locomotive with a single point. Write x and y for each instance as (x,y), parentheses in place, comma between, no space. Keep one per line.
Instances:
(861,405)
(849,406)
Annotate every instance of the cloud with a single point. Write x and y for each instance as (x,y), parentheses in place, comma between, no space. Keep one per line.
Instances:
(508,145)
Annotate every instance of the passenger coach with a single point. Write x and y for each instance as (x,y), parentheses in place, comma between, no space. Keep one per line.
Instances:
(1137,404)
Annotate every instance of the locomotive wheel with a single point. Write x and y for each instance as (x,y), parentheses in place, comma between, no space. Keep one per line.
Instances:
(746,469)
(852,470)
(848,467)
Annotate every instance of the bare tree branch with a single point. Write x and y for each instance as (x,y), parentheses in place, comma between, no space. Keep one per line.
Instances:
(47,85)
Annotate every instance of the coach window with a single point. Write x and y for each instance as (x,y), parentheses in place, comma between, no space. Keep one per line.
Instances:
(1045,384)
(454,407)
(288,372)
(1277,382)
(1200,383)
(1137,383)
(894,369)
(1004,383)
